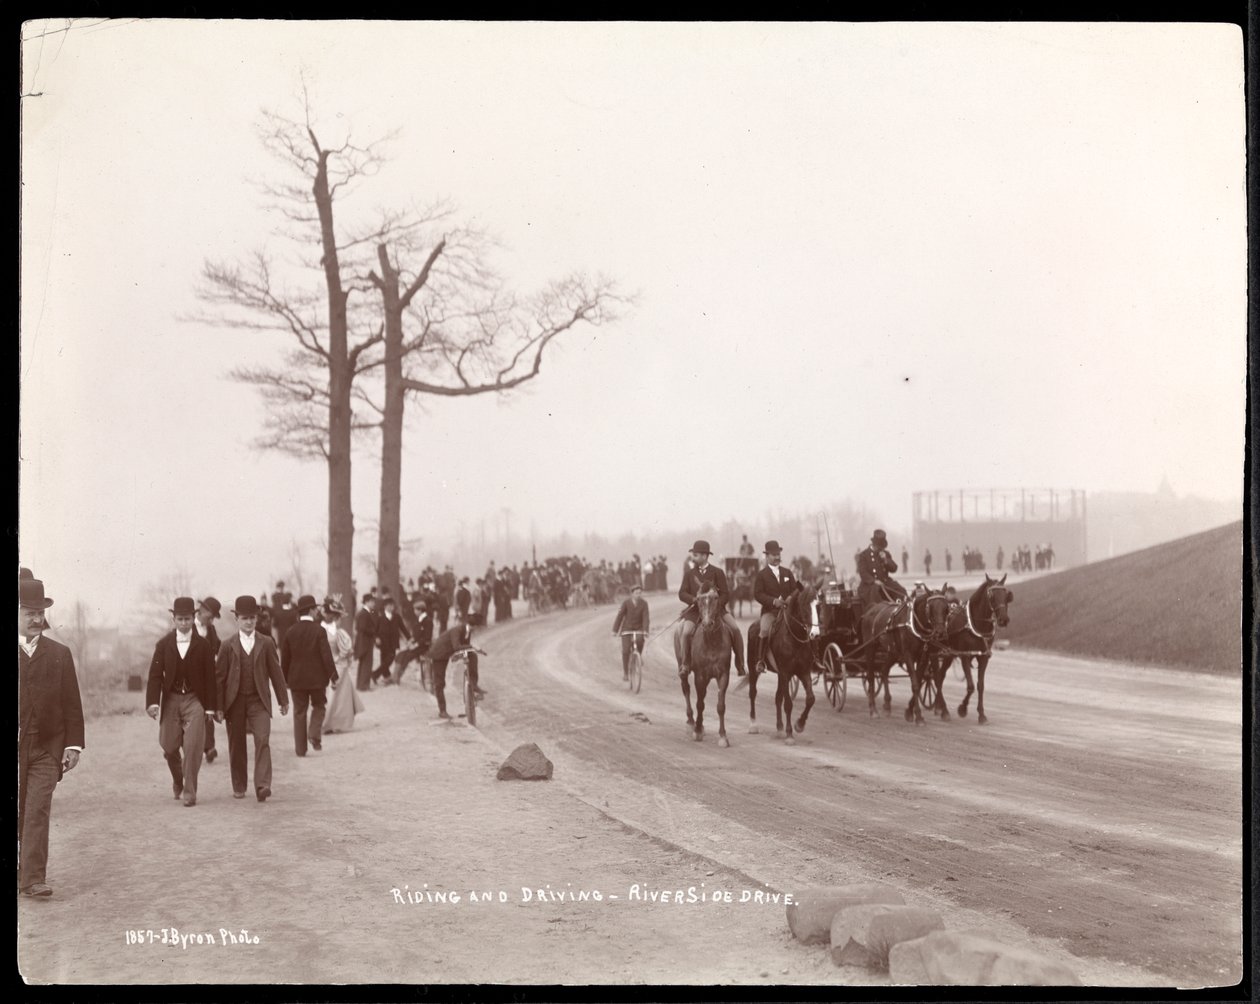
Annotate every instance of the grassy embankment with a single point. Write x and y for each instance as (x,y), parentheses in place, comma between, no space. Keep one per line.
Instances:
(1175,604)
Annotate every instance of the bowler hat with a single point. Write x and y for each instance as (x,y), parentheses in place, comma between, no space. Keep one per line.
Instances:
(878,537)
(245,606)
(31,595)
(635,586)
(25,574)
(184,606)
(332,604)
(701,547)
(306,602)
(213,605)
(772,547)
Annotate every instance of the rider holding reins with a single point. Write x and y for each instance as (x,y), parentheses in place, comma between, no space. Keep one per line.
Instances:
(874,565)
(773,586)
(699,578)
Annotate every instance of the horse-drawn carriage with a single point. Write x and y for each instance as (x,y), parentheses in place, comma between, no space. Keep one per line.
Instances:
(740,573)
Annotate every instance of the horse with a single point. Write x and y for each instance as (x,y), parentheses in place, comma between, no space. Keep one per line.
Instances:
(883,631)
(743,591)
(791,653)
(711,651)
(927,626)
(969,635)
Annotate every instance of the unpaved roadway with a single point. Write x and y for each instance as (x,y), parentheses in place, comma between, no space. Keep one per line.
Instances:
(1096,818)
(1099,811)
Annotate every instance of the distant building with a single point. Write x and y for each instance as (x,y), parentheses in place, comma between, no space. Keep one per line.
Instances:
(986,518)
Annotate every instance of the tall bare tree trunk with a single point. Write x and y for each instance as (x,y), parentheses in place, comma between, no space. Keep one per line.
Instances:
(392,416)
(340,377)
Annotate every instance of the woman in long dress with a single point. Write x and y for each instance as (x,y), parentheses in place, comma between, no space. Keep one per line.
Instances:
(345,703)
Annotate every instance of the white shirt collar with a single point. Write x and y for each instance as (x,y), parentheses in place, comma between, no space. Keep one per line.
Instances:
(247,641)
(29,646)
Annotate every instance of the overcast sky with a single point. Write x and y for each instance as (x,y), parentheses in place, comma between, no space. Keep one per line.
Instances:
(870,259)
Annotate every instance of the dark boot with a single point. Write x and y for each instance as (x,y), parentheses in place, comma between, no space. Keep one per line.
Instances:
(686,665)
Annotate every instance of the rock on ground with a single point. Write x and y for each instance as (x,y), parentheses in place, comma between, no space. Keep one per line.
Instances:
(526,763)
(864,935)
(810,914)
(970,958)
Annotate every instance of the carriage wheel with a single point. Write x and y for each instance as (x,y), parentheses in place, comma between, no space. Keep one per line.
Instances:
(927,690)
(636,671)
(835,679)
(794,688)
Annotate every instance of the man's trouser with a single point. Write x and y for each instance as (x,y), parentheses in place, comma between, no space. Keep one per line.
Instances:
(765,625)
(312,732)
(439,678)
(249,708)
(182,730)
(38,772)
(405,658)
(364,680)
(387,660)
(627,642)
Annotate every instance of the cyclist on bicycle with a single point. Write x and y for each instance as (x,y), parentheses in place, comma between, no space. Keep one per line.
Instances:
(633,616)
(447,645)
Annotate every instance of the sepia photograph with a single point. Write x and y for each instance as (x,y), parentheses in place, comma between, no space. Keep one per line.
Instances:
(741,504)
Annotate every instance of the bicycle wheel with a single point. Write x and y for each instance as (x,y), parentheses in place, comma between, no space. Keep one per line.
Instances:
(470,699)
(636,671)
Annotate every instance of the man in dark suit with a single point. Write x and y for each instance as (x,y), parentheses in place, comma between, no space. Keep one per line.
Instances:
(632,616)
(182,691)
(247,669)
(463,600)
(390,629)
(365,640)
(772,587)
(421,638)
(307,662)
(701,577)
(446,645)
(50,732)
(207,614)
(874,565)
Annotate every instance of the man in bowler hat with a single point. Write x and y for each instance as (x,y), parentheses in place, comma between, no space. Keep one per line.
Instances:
(182,691)
(365,641)
(702,577)
(772,588)
(247,669)
(307,661)
(50,732)
(207,613)
(874,565)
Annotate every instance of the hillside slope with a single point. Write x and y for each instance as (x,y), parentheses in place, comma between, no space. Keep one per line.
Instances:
(1175,604)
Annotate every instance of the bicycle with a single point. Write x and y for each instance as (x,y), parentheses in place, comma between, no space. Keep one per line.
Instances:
(460,659)
(634,671)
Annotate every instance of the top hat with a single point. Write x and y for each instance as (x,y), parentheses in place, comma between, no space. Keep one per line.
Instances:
(772,547)
(213,605)
(246,606)
(31,594)
(184,606)
(306,602)
(701,547)
(879,538)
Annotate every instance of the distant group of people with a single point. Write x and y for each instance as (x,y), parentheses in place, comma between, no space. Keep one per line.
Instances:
(1025,559)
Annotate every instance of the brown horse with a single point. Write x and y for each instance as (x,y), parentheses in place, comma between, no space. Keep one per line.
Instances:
(790,655)
(969,635)
(883,633)
(711,652)
(925,632)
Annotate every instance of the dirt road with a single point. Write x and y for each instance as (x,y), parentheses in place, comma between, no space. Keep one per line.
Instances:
(1097,817)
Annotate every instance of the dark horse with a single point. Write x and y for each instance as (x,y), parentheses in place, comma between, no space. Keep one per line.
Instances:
(902,632)
(969,635)
(711,651)
(791,654)
(742,591)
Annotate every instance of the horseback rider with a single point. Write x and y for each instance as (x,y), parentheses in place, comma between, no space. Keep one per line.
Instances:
(701,577)
(773,586)
(874,565)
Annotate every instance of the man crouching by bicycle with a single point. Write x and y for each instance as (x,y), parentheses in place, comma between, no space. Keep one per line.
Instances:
(633,616)
(456,639)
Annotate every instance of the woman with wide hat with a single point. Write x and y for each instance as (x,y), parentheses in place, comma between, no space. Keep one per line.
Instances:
(345,702)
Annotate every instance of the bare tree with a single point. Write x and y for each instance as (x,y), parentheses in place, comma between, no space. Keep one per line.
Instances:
(310,396)
(450,330)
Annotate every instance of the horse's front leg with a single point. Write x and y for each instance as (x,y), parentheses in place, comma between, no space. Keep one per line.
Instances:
(917,668)
(753,727)
(872,682)
(686,689)
(702,688)
(965,662)
(981,665)
(808,679)
(785,689)
(723,680)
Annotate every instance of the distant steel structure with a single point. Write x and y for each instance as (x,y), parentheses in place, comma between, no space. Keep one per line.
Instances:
(986,518)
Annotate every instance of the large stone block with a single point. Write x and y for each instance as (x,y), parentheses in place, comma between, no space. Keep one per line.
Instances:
(525,763)
(975,959)
(864,935)
(810,914)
